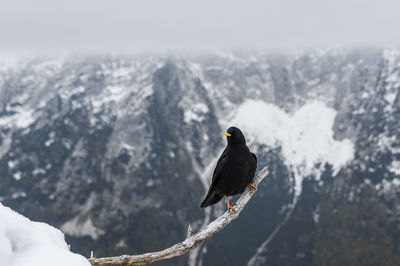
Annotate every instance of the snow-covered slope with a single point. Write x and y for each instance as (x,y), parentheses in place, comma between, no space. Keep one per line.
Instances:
(306,137)
(24,242)
(306,140)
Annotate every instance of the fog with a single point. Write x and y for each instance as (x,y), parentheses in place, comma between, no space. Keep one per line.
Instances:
(130,26)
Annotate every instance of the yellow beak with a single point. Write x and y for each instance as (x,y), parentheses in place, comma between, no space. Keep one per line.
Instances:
(227,134)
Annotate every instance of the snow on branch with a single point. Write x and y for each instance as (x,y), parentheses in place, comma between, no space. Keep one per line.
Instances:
(191,241)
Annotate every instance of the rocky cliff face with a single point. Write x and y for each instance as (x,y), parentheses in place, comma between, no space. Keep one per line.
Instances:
(118,152)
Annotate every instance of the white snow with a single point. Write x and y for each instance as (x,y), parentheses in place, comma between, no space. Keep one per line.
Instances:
(21,119)
(5,144)
(111,94)
(395,167)
(392,77)
(48,142)
(190,116)
(128,147)
(27,243)
(364,95)
(116,93)
(121,244)
(76,227)
(306,137)
(17,176)
(387,186)
(17,195)
(68,92)
(11,164)
(51,139)
(38,171)
(122,72)
(195,112)
(150,183)
(316,214)
(390,97)
(82,225)
(24,118)
(386,142)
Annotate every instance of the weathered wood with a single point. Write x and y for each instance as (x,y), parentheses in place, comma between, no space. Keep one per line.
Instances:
(191,241)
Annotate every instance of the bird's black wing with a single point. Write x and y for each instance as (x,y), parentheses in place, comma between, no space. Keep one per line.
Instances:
(255,157)
(212,197)
(218,167)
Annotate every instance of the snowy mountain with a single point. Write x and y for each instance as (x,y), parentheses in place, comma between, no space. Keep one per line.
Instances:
(118,151)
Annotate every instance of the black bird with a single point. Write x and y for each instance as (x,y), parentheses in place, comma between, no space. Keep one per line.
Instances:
(234,171)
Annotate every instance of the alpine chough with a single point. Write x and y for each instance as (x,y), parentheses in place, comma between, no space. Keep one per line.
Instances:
(234,171)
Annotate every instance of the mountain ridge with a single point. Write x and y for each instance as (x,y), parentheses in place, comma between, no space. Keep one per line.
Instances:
(99,146)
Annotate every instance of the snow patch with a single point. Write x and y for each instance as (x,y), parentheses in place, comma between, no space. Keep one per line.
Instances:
(17,176)
(17,195)
(77,227)
(121,244)
(195,113)
(387,186)
(150,183)
(68,92)
(5,144)
(116,93)
(111,94)
(306,137)
(395,167)
(11,164)
(51,139)
(22,118)
(82,225)
(38,171)
(390,97)
(27,243)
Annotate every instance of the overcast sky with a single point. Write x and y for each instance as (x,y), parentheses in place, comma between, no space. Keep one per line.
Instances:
(150,25)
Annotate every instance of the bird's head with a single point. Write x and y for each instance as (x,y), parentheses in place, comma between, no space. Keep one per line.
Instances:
(235,136)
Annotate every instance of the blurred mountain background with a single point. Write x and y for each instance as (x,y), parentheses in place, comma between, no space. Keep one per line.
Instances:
(118,151)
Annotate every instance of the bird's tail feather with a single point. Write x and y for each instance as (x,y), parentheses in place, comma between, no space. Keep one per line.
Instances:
(211,199)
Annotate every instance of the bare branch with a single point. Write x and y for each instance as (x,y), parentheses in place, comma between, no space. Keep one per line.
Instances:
(191,241)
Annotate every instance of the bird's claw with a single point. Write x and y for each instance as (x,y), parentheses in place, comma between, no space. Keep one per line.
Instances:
(251,186)
(231,207)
